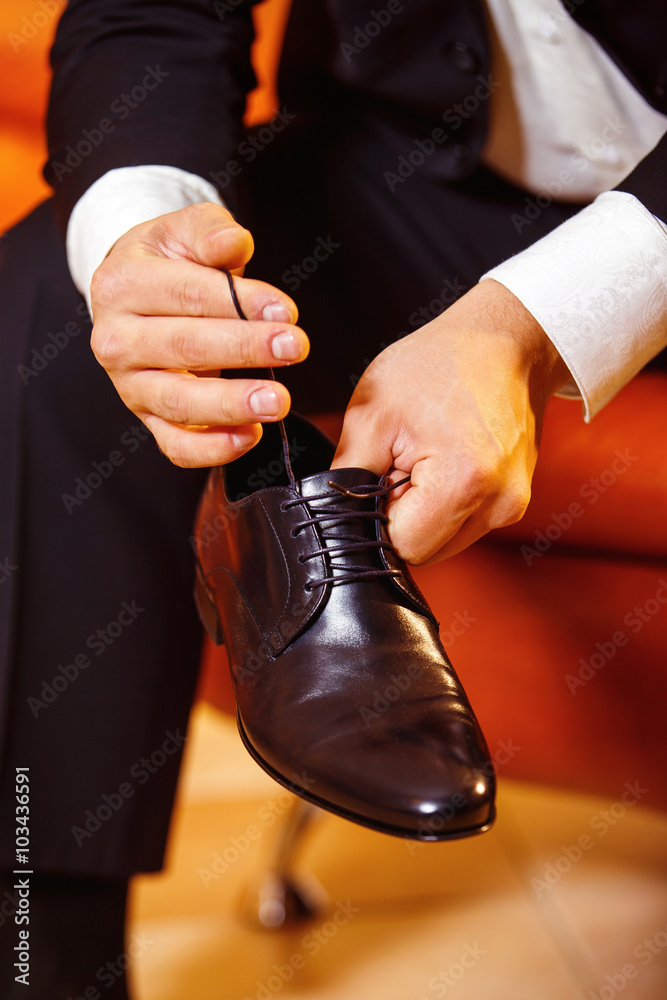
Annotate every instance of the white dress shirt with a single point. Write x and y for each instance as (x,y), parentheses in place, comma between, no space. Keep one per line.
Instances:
(565,124)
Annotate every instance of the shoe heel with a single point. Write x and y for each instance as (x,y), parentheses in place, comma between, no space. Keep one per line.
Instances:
(207,610)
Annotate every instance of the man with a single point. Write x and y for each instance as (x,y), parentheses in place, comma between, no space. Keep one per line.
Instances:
(417,147)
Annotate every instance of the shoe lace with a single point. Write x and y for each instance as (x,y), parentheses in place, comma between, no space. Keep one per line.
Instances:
(334,515)
(330,515)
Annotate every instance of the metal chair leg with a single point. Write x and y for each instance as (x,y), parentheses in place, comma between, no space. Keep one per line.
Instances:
(278,896)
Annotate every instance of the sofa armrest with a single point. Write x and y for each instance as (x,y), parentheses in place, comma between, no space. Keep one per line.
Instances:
(602,485)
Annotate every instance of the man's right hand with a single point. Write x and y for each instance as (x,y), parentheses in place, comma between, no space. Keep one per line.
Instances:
(165,325)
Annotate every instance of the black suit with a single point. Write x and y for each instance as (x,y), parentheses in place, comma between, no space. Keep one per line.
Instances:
(417,247)
(410,72)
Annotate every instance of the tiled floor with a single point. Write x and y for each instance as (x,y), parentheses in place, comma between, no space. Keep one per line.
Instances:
(565,899)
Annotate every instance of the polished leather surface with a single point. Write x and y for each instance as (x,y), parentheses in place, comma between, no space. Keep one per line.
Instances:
(344,691)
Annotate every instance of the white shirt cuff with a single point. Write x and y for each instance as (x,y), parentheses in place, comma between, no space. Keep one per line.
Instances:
(119,200)
(598,286)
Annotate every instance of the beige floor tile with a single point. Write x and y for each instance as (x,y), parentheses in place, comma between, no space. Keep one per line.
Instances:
(596,871)
(404,921)
(217,766)
(496,950)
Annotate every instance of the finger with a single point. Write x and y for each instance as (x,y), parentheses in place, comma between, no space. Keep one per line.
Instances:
(206,344)
(441,499)
(206,233)
(203,447)
(432,511)
(396,476)
(472,529)
(142,283)
(503,507)
(181,398)
(363,447)
(445,511)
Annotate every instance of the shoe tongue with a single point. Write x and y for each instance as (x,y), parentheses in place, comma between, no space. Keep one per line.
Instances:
(351,479)
(337,533)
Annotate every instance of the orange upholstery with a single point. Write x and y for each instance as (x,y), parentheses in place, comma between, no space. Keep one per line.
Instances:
(24,68)
(27,28)
(613,475)
(558,629)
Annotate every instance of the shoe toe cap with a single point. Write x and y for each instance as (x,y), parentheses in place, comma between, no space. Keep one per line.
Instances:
(426,783)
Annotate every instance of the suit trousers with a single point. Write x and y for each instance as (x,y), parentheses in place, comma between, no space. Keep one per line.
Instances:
(100,640)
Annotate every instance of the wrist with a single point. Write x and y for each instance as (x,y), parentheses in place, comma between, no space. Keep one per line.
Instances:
(520,336)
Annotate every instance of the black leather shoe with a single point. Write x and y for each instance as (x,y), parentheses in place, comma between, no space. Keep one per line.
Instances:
(345,694)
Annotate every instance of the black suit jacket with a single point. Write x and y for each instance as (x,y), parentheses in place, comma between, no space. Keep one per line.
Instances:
(427,56)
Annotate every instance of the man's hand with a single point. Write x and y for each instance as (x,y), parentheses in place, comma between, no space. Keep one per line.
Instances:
(458,406)
(165,325)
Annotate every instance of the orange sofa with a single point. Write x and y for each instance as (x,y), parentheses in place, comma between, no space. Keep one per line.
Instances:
(557,625)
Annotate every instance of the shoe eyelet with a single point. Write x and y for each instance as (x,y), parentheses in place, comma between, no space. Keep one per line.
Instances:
(301,560)
(308,587)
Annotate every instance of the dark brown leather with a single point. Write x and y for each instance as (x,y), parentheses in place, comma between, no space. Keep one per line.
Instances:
(344,691)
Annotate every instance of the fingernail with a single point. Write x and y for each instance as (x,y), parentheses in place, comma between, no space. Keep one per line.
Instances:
(242,439)
(286,347)
(276,312)
(265,402)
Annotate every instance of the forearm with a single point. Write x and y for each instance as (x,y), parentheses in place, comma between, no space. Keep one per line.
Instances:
(137,82)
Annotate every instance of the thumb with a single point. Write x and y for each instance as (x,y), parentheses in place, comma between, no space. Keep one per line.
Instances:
(426,516)
(207,234)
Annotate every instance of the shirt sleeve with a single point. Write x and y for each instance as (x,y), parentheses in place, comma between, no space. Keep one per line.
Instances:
(597,285)
(117,201)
